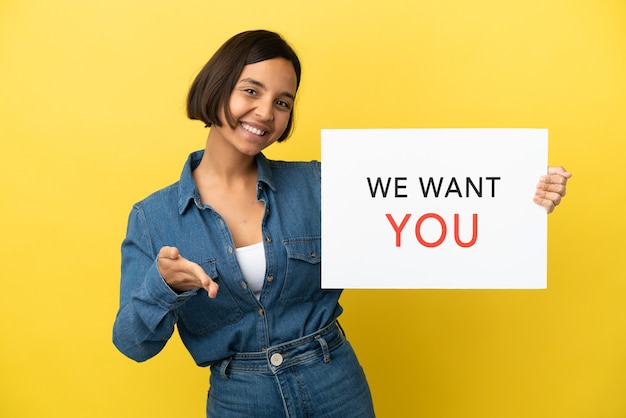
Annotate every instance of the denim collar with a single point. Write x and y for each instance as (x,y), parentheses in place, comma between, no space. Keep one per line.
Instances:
(187,190)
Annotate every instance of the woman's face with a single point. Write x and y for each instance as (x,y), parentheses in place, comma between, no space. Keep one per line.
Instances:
(260,105)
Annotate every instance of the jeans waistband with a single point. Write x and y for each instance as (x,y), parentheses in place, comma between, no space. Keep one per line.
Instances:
(290,353)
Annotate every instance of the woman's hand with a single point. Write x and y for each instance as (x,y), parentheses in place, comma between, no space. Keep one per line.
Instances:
(551,188)
(181,274)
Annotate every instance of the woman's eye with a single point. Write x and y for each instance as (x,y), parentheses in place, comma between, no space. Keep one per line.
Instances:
(284,104)
(250,91)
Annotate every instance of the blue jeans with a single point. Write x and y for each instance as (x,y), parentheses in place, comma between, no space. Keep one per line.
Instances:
(314,376)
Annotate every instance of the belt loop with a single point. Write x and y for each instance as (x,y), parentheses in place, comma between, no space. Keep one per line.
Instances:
(324,346)
(224,366)
(340,328)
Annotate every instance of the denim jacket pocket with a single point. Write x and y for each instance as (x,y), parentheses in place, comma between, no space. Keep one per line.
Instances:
(200,314)
(303,271)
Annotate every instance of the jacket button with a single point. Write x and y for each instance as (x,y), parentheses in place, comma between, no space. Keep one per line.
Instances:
(276,359)
(268,239)
(270,278)
(261,312)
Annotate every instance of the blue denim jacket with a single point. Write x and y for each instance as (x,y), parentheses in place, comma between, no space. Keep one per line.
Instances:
(291,305)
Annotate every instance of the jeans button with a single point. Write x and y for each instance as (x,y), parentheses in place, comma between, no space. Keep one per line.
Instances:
(276,359)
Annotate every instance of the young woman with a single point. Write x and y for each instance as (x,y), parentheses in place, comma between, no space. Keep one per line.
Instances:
(231,253)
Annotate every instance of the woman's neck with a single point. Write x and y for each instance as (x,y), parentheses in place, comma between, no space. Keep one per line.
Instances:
(225,164)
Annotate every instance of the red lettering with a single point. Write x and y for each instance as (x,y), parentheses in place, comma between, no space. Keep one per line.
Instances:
(474,231)
(397,228)
(418,233)
(444,230)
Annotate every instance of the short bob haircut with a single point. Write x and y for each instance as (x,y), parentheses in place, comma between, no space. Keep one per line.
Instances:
(214,84)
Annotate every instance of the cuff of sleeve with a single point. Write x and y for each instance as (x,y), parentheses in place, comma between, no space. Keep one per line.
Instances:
(162,292)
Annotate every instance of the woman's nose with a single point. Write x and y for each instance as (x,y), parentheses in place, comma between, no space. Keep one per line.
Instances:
(265,110)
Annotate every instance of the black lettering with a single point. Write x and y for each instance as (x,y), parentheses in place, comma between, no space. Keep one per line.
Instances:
(431,183)
(479,191)
(493,185)
(379,183)
(400,186)
(453,187)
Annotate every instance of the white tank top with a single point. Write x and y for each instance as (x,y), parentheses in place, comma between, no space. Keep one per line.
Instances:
(251,261)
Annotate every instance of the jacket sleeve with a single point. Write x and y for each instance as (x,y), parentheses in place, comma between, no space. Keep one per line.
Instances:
(147,313)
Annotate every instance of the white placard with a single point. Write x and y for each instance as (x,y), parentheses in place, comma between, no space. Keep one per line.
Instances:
(433,208)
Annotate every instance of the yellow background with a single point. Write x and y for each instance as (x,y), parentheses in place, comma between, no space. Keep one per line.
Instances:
(92,119)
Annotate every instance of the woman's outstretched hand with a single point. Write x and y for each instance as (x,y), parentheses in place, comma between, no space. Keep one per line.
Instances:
(181,274)
(551,188)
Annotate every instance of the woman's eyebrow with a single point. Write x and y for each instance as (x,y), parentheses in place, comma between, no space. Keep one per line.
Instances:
(262,86)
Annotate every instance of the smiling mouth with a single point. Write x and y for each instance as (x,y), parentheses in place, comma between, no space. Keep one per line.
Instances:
(252,129)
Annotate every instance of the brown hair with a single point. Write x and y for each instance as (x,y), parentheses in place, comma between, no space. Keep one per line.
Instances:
(213,86)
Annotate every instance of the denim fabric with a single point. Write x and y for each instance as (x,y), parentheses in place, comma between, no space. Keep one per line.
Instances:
(291,305)
(316,376)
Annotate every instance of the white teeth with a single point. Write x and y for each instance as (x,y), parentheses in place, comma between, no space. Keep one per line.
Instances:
(252,129)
